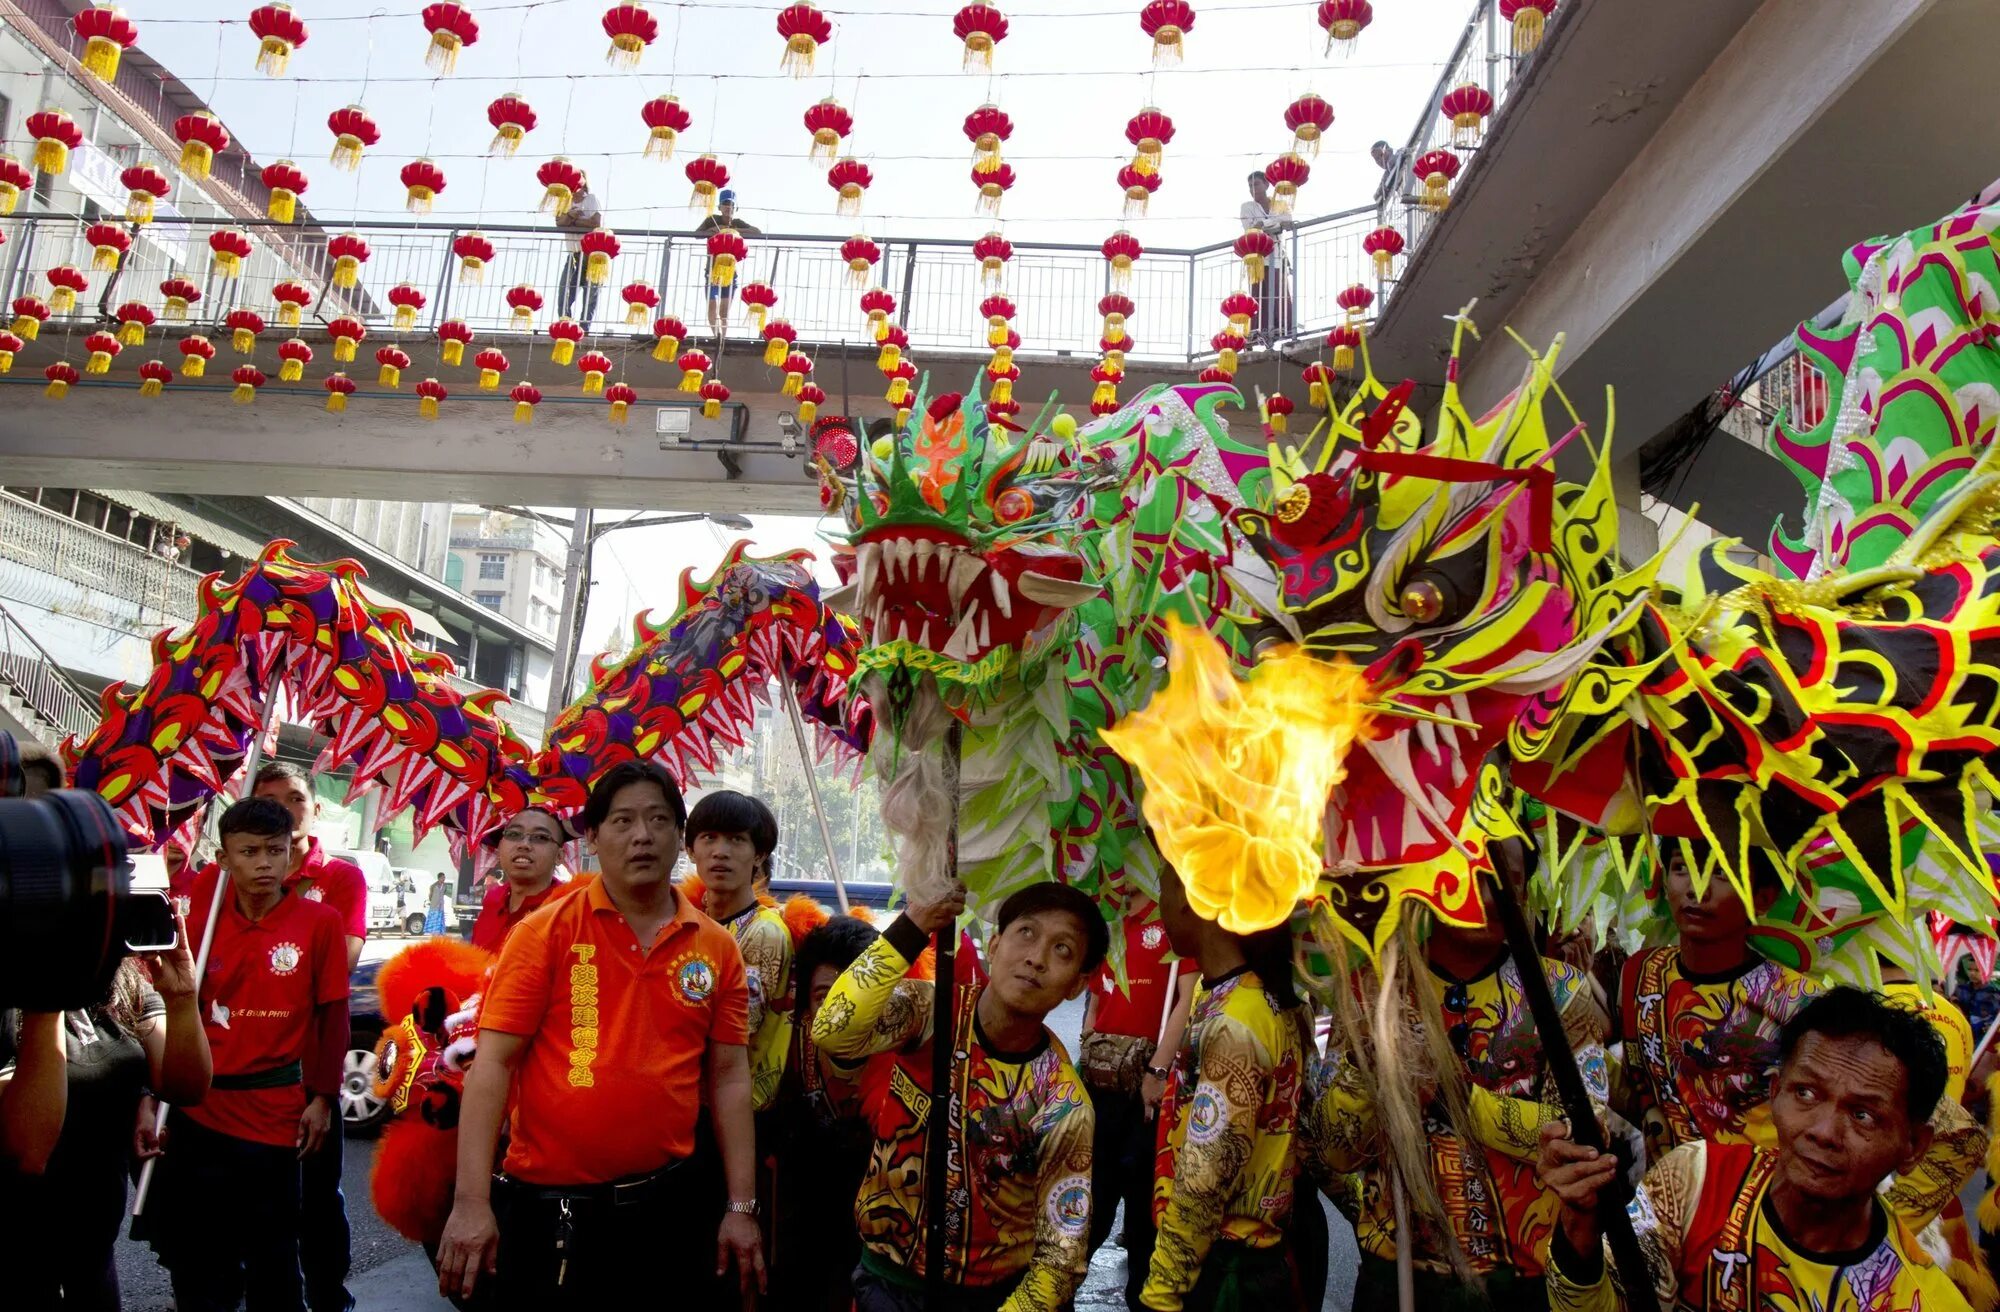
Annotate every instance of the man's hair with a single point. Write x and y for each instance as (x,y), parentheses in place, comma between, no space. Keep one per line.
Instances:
(273,771)
(39,760)
(623,775)
(1850,1013)
(259,817)
(837,943)
(1054,896)
(1257,177)
(729,812)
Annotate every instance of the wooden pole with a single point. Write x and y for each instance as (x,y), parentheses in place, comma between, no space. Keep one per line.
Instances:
(944,1035)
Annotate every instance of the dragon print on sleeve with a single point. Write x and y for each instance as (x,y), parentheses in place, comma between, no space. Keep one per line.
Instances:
(767,963)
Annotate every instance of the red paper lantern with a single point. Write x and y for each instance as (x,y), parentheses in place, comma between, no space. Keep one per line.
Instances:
(1255,248)
(1107,377)
(992,251)
(491,363)
(338,388)
(422,181)
(56,135)
(1467,106)
(1121,251)
(294,355)
(1529,18)
(512,119)
(62,376)
(1278,412)
(526,396)
(725,250)
(347,333)
(594,366)
(348,253)
(850,178)
(66,283)
(353,132)
(560,180)
(279,32)
(993,183)
(829,125)
(1355,300)
(1215,373)
(1309,117)
(243,326)
(30,313)
(292,298)
(108,243)
(154,376)
(1343,20)
(709,178)
(805,30)
(1344,340)
(454,335)
(1166,22)
(202,138)
(523,301)
(474,253)
(899,376)
(1002,358)
(430,395)
(196,352)
(981,27)
(1436,169)
(988,128)
(1150,132)
(758,298)
(408,301)
(890,357)
(452,28)
(621,396)
(1101,408)
(713,394)
(1116,308)
(229,248)
(798,367)
(1003,380)
(693,365)
(998,312)
(860,255)
(811,397)
(14,181)
(564,334)
(599,247)
(668,334)
(1286,174)
(392,361)
(247,379)
(1384,244)
(103,349)
(1226,345)
(107,34)
(665,120)
(134,318)
(1239,308)
(286,182)
(145,186)
(878,305)
(631,30)
(178,294)
(640,300)
(1138,186)
(999,413)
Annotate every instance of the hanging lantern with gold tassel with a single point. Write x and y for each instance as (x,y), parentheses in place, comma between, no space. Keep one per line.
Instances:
(103,349)
(154,375)
(860,255)
(1239,308)
(665,120)
(595,366)
(713,394)
(1344,341)
(1116,308)
(798,367)
(1529,19)
(599,247)
(1308,119)
(30,313)
(422,181)
(1001,382)
(247,379)
(347,333)
(757,298)
(893,340)
(693,364)
(62,376)
(1121,251)
(1467,106)
(454,335)
(993,183)
(202,138)
(1355,300)
(631,29)
(145,187)
(292,298)
(992,251)
(811,397)
(560,180)
(16,182)
(55,135)
(452,29)
(778,339)
(66,284)
(407,301)
(1319,385)
(524,302)
(107,34)
(196,352)
(1436,169)
(998,311)
(1343,21)
(228,249)
(391,360)
(177,294)
(668,334)
(1150,133)
(1383,245)
(980,27)
(987,128)
(348,252)
(108,243)
(338,388)
(640,302)
(513,118)
(1226,344)
(1255,248)
(805,30)
(353,133)
(725,251)
(279,32)
(1278,413)
(286,182)
(1167,22)
(829,125)
(431,394)
(1107,379)
(491,363)
(244,326)
(620,396)
(850,180)
(564,334)
(709,176)
(293,357)
(134,318)
(878,305)
(1286,174)
(1138,185)
(526,396)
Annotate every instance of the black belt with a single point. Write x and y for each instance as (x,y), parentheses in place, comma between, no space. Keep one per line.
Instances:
(278,1077)
(629,1192)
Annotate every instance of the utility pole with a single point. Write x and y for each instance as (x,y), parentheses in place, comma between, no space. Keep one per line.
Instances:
(576,594)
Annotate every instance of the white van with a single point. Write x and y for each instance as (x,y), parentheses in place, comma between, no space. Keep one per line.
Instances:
(386,908)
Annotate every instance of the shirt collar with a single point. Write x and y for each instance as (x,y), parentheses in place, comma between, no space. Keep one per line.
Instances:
(684,908)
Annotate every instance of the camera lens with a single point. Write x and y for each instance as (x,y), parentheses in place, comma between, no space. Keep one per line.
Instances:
(64,872)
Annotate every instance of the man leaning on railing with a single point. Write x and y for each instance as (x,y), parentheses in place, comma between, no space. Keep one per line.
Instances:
(583,215)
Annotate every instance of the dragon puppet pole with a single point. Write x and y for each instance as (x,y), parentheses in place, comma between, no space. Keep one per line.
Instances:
(252,758)
(812,787)
(944,1039)
(1583,1127)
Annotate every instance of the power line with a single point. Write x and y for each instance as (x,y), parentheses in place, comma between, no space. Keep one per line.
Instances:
(1257,6)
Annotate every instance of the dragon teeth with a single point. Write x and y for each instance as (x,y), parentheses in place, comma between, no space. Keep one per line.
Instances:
(985,628)
(1000,594)
(964,573)
(962,638)
(924,549)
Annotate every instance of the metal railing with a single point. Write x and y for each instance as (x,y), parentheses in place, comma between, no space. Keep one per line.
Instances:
(161,592)
(38,680)
(1177,292)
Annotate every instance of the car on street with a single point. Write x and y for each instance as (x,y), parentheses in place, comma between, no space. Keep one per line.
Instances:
(360,1110)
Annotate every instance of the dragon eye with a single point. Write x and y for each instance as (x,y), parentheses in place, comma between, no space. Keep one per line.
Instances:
(1422,601)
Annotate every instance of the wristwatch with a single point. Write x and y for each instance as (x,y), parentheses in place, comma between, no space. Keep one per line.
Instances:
(749,1208)
(1158,1072)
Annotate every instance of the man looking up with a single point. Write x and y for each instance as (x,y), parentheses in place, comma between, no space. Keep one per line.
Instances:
(1018,1191)
(731,837)
(529,848)
(612,1016)
(274,1008)
(1732,1226)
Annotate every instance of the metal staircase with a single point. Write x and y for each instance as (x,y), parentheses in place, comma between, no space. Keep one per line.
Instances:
(35,692)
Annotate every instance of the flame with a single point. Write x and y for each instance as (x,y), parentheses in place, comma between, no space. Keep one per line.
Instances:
(1238,772)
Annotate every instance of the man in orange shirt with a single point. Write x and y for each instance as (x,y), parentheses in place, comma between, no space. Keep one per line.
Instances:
(612,1016)
(530,849)
(274,1008)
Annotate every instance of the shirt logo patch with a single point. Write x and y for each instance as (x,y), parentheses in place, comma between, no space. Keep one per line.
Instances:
(1069,1206)
(1150,936)
(285,958)
(696,979)
(314,894)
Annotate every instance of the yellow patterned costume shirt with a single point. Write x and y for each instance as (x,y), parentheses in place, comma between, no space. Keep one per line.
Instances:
(1499,1213)
(766,943)
(1229,1157)
(1017,1199)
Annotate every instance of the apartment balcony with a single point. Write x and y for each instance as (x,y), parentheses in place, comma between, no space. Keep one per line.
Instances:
(51,561)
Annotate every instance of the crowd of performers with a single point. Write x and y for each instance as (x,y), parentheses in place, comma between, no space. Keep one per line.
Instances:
(683,1086)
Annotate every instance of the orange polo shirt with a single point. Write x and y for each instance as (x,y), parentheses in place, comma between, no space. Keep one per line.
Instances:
(610,1081)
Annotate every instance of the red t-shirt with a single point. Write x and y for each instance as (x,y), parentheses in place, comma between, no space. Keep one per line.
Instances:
(1139,1010)
(496,921)
(319,878)
(264,980)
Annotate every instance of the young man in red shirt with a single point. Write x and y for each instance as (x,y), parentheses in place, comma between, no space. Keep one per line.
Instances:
(529,849)
(612,1015)
(274,1008)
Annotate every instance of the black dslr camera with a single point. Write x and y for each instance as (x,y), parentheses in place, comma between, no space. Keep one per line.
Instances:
(68,911)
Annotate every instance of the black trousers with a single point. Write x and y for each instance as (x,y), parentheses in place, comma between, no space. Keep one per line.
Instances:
(573,281)
(876,1293)
(1501,1291)
(596,1253)
(233,1222)
(325,1243)
(1121,1170)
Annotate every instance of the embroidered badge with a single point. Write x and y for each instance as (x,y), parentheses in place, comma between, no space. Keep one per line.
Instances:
(285,958)
(1069,1206)
(1150,937)
(314,894)
(695,979)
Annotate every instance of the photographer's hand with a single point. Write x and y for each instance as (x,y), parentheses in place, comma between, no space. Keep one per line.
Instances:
(173,970)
